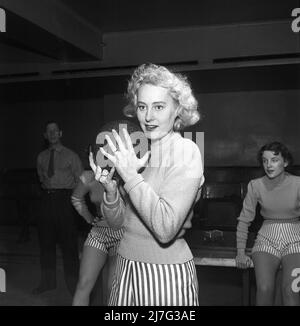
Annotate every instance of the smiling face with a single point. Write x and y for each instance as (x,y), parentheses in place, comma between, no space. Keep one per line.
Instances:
(156,111)
(273,164)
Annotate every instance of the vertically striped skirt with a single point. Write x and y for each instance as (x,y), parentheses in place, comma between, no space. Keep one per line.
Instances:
(144,284)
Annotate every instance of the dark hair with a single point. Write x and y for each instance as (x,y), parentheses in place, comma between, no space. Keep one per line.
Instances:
(277,148)
(50,122)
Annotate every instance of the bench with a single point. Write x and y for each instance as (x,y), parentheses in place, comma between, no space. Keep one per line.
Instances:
(230,262)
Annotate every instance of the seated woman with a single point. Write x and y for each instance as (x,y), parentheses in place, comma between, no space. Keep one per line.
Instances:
(278,240)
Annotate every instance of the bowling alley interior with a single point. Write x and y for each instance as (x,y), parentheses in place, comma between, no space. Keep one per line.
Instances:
(68,62)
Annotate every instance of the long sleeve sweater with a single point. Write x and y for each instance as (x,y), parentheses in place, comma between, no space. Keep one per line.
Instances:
(159,203)
(279,202)
(88,185)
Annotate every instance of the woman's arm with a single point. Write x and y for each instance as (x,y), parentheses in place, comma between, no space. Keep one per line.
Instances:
(113,211)
(165,211)
(247,215)
(78,198)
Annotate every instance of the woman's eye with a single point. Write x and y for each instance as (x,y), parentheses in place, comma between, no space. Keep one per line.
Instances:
(141,107)
(158,107)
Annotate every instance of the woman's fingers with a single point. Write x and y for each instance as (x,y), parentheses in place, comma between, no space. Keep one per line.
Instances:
(111,144)
(98,173)
(103,177)
(241,265)
(106,177)
(92,163)
(110,157)
(119,141)
(128,140)
(96,169)
(249,262)
(243,262)
(111,173)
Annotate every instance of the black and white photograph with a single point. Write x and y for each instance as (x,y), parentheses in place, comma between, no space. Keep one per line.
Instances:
(149,155)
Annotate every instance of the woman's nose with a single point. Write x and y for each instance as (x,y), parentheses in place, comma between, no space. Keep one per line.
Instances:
(149,115)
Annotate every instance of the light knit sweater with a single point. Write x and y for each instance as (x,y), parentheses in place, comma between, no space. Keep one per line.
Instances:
(279,202)
(159,204)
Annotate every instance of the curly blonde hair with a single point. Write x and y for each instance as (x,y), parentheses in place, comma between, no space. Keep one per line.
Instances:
(179,88)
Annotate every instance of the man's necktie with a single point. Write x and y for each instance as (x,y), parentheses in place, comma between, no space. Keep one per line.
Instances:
(51,164)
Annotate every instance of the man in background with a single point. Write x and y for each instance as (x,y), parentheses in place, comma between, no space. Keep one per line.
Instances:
(58,169)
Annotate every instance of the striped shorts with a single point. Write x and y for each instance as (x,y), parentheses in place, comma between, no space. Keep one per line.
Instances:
(278,239)
(104,238)
(144,284)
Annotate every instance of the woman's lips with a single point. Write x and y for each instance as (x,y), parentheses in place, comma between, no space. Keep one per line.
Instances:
(150,127)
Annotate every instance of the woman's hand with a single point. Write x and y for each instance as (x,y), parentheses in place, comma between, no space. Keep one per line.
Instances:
(96,221)
(124,159)
(104,177)
(243,261)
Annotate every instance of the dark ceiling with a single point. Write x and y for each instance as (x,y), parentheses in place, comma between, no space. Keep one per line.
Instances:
(32,38)
(121,15)
(276,77)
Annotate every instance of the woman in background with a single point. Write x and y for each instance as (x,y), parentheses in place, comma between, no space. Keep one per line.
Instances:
(102,242)
(278,240)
